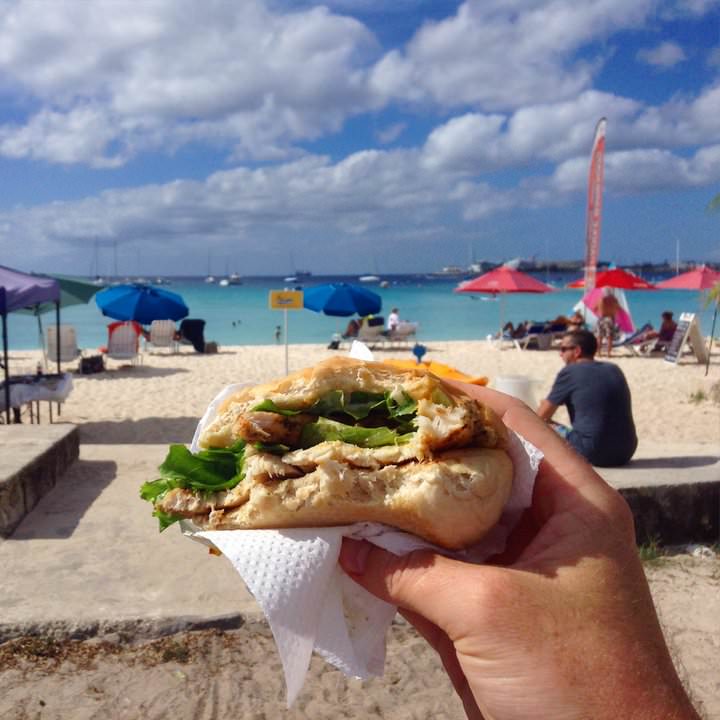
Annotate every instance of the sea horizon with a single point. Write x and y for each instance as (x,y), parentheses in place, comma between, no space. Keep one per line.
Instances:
(239,314)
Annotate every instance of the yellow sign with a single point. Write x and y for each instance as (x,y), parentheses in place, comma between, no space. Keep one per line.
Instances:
(286,300)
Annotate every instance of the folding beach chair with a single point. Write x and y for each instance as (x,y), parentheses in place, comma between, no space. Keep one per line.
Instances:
(124,341)
(637,343)
(69,349)
(162,335)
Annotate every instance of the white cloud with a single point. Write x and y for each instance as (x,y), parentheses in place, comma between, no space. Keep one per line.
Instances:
(367,195)
(639,171)
(503,55)
(173,70)
(81,135)
(665,55)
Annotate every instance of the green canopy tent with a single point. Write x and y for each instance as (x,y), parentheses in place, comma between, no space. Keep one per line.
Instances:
(73,291)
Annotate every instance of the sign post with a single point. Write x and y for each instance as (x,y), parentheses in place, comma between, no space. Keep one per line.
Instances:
(286,300)
(687,330)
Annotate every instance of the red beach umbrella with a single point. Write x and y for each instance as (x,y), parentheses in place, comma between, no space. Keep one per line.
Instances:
(503,280)
(616,278)
(701,278)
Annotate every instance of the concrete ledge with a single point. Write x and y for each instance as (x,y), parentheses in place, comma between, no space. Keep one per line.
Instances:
(676,514)
(33,458)
(673,491)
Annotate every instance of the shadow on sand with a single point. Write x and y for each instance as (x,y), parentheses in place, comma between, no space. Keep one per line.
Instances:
(59,512)
(138,372)
(146,431)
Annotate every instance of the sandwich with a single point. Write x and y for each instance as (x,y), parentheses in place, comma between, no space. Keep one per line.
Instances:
(342,442)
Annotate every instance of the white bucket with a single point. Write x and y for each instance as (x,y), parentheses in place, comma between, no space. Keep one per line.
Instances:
(519,386)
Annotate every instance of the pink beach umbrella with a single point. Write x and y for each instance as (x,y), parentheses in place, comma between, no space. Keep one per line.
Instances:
(623,318)
(701,278)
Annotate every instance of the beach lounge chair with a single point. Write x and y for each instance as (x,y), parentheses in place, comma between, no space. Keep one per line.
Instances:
(372,331)
(69,349)
(637,343)
(162,335)
(537,334)
(402,334)
(124,342)
(192,332)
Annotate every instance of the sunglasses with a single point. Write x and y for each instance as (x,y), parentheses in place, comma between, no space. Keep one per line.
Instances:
(565,348)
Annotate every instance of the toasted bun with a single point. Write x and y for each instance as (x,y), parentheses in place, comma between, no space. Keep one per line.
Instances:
(447,484)
(303,388)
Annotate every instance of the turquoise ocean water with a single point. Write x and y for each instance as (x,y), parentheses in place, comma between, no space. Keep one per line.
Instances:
(239,314)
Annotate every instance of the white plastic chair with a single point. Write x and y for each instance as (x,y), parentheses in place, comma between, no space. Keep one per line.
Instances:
(69,349)
(124,343)
(162,335)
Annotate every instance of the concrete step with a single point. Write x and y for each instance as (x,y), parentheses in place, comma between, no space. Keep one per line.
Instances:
(33,457)
(673,491)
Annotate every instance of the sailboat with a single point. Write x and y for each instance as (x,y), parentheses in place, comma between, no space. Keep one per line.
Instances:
(297,276)
(230,279)
(95,268)
(210,277)
(371,277)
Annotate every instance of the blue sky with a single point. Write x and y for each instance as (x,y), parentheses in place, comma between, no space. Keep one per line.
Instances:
(353,136)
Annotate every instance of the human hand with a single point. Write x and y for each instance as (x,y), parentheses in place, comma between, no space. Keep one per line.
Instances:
(562,625)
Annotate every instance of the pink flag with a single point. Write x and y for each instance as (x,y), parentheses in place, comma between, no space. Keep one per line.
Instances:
(594,206)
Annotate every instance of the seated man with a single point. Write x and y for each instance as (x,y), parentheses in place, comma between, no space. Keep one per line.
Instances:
(393,319)
(598,400)
(352,329)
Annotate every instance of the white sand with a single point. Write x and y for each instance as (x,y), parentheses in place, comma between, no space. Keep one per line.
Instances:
(180,386)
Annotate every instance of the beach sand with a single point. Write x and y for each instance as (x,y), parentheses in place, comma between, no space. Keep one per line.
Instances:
(670,402)
(236,673)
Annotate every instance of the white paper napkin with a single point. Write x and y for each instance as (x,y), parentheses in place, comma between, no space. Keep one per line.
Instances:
(309,602)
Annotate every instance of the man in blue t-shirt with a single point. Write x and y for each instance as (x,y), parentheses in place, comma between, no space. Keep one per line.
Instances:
(597,397)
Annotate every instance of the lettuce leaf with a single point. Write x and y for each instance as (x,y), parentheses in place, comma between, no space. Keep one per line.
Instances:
(326,429)
(272,448)
(407,406)
(208,471)
(270,406)
(358,405)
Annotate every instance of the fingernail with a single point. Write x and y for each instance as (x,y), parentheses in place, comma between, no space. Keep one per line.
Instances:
(354,555)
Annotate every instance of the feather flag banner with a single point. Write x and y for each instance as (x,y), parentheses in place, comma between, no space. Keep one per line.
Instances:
(594,205)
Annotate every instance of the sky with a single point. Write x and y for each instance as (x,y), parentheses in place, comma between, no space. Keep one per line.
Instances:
(260,137)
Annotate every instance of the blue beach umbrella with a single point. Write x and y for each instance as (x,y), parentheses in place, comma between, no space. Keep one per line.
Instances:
(342,300)
(142,303)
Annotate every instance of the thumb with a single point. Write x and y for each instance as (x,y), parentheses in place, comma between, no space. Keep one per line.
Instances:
(422,581)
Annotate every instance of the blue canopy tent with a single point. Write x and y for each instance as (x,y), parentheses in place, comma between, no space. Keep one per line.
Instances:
(19,290)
